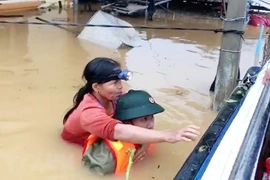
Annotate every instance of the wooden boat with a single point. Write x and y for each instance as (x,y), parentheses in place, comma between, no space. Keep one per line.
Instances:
(236,144)
(7,6)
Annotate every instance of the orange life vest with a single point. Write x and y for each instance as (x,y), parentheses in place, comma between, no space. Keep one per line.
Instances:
(119,150)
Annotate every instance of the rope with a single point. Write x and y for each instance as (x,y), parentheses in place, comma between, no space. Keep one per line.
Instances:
(118,26)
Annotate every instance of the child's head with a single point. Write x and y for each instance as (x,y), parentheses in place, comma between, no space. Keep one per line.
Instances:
(137,108)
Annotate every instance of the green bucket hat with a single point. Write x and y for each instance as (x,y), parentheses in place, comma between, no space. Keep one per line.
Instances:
(136,104)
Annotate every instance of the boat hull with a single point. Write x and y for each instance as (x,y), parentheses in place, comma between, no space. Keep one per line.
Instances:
(16,6)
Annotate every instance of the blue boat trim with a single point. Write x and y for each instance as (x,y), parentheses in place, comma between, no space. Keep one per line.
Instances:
(215,146)
(197,160)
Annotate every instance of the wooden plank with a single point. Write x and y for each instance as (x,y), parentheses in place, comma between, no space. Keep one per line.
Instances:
(132,8)
(162,2)
(121,11)
(139,1)
(107,5)
(145,7)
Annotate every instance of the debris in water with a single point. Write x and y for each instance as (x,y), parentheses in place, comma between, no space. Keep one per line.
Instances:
(130,162)
(43,20)
(60,4)
(110,37)
(60,19)
(48,5)
(10,16)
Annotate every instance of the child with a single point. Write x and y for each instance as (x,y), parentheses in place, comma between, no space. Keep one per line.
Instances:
(104,156)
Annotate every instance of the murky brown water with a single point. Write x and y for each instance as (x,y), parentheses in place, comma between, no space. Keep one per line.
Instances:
(40,70)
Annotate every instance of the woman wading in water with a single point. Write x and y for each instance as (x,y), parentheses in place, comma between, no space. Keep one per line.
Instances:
(94,107)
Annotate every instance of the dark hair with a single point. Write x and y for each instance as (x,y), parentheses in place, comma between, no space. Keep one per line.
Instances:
(95,71)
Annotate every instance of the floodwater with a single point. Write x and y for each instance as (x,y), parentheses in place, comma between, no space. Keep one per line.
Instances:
(40,71)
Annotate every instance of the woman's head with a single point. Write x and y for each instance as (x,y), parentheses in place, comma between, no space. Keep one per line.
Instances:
(103,79)
(101,75)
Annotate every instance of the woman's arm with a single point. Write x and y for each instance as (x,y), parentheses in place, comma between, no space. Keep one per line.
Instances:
(134,134)
(95,121)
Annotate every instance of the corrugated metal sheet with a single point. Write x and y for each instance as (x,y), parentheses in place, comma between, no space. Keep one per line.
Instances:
(264,3)
(110,37)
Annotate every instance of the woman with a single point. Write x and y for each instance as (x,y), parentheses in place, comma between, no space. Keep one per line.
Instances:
(94,106)
(137,108)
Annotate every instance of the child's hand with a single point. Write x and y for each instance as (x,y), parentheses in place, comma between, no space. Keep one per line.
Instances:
(141,153)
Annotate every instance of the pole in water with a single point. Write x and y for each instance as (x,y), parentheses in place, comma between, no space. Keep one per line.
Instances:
(259,47)
(212,87)
(230,53)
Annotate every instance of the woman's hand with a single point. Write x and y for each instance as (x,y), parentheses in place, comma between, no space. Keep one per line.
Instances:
(141,153)
(187,134)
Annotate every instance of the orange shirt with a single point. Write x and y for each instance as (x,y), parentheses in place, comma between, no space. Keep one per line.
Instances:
(88,118)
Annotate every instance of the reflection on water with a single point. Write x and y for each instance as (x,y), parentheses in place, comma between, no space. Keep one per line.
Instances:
(40,71)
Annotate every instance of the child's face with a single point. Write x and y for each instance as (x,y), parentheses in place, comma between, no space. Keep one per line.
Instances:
(144,122)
